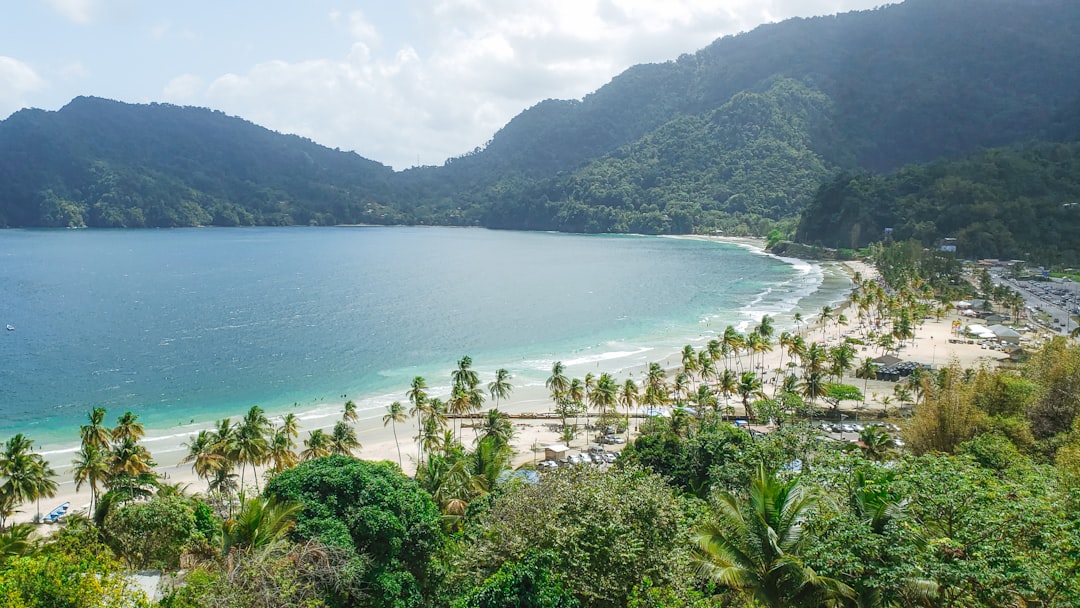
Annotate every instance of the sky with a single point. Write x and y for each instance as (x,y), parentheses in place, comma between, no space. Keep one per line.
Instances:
(402,82)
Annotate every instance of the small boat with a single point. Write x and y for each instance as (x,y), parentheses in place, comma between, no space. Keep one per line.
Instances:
(10,327)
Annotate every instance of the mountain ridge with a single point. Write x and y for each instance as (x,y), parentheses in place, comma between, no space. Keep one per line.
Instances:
(738,136)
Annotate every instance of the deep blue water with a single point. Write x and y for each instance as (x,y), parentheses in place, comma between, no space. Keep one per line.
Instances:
(195,324)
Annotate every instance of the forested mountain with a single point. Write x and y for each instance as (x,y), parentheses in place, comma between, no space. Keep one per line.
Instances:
(738,136)
(102,163)
(1021,202)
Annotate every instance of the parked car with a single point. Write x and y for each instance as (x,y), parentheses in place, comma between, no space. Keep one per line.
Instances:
(547,465)
(596,449)
(609,457)
(612,439)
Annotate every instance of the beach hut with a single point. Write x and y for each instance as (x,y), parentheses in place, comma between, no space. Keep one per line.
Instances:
(555,452)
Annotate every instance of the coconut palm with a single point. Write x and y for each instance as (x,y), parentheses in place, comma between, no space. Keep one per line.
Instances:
(877,444)
(497,429)
(395,413)
(765,329)
(417,395)
(316,445)
(350,414)
(282,450)
(90,466)
(557,382)
(826,316)
(690,364)
(500,387)
(128,427)
(203,454)
(95,433)
(727,384)
(798,319)
(753,545)
(628,398)
(459,404)
(131,469)
(749,386)
(464,375)
(260,523)
(343,439)
(866,370)
(656,388)
(290,423)
(252,442)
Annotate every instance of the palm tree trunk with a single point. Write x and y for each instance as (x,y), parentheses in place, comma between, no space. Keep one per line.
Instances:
(398,445)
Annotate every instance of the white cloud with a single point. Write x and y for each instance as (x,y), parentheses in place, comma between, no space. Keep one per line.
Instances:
(183,89)
(480,64)
(16,80)
(79,11)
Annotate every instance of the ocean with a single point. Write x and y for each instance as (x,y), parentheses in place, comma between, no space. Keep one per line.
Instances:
(186,326)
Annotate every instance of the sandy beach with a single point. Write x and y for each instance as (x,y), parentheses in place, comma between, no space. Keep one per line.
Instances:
(931,346)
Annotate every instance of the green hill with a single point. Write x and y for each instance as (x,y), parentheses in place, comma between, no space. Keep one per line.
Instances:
(738,136)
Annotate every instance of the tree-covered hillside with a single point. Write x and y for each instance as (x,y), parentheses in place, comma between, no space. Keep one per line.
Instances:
(102,163)
(1020,202)
(737,136)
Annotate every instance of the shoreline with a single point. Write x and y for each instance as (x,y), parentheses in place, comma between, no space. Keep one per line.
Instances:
(165,443)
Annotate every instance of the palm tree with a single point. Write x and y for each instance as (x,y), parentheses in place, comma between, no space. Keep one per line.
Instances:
(252,442)
(343,440)
(690,363)
(464,375)
(90,466)
(417,396)
(749,386)
(290,424)
(316,445)
(95,433)
(628,397)
(203,454)
(765,329)
(350,414)
(826,315)
(753,545)
(459,404)
(260,523)
(557,382)
(282,450)
(656,390)
(876,442)
(395,413)
(128,427)
(727,384)
(497,429)
(797,318)
(500,387)
(866,370)
(131,468)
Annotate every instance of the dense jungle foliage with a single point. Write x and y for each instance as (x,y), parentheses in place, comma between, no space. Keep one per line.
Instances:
(738,137)
(1009,203)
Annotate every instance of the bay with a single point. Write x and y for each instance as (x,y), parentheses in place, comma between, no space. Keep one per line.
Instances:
(186,326)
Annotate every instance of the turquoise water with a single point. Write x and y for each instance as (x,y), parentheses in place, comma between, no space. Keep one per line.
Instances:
(187,326)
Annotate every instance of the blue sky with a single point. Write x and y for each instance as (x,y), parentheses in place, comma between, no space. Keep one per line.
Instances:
(403,82)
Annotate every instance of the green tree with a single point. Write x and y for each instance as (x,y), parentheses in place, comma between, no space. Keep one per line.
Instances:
(90,466)
(525,584)
(152,534)
(605,531)
(500,387)
(343,439)
(754,545)
(395,413)
(384,517)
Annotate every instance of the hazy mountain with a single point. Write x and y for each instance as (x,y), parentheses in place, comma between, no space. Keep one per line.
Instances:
(739,135)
